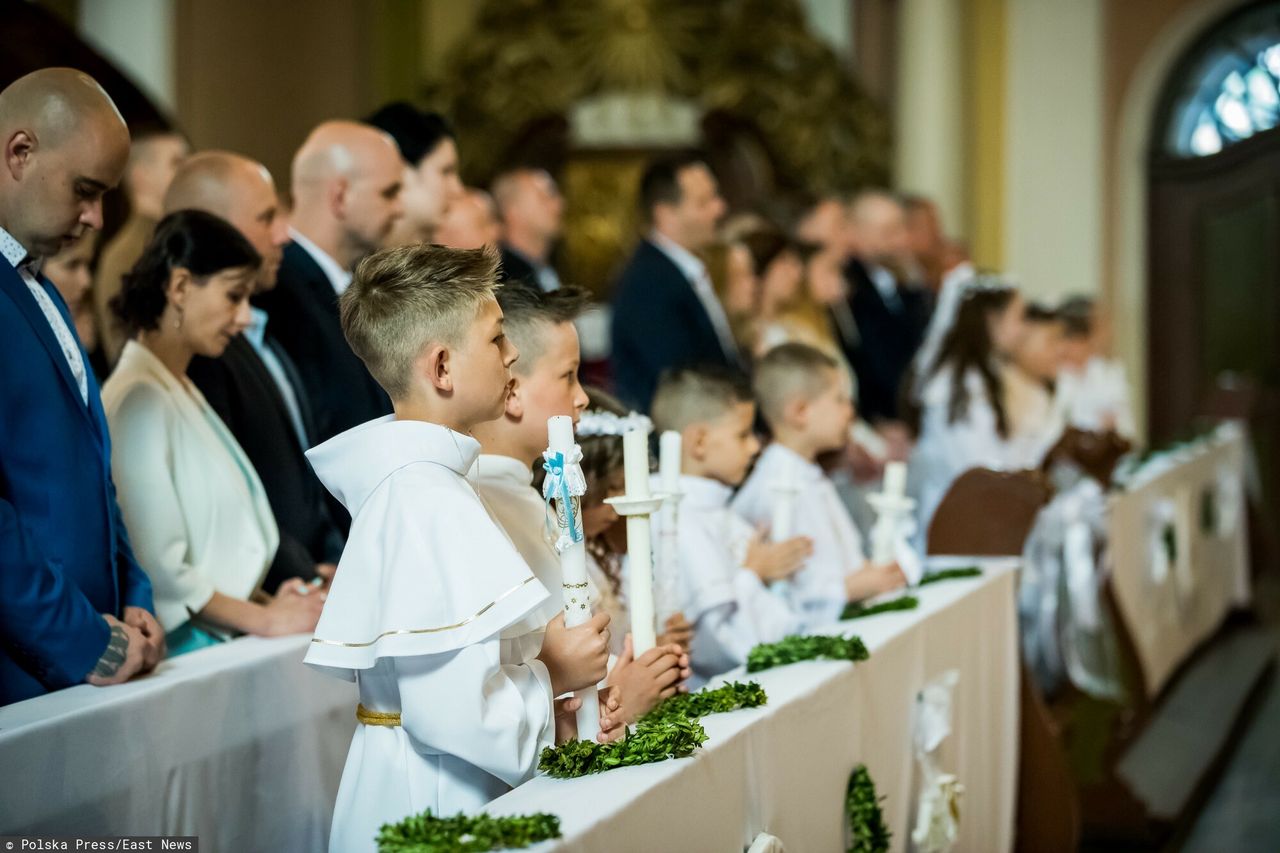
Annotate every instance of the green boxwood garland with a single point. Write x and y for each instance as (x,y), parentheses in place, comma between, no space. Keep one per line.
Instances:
(950,574)
(649,741)
(858,610)
(799,647)
(729,697)
(867,832)
(426,833)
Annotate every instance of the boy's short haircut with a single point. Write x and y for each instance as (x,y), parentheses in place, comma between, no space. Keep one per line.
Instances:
(788,371)
(527,313)
(1076,314)
(694,395)
(402,300)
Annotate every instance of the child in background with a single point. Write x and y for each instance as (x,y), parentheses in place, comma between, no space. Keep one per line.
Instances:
(725,567)
(805,399)
(430,592)
(1092,392)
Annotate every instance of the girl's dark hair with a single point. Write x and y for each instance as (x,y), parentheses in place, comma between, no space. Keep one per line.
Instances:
(968,346)
(193,240)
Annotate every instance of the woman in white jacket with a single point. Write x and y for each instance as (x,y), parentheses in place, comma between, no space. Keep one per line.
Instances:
(962,419)
(196,512)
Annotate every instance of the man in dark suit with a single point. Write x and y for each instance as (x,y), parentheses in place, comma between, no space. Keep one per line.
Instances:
(532,213)
(254,385)
(346,190)
(890,313)
(74,604)
(665,311)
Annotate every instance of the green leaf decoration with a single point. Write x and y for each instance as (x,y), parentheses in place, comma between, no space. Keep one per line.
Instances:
(729,697)
(867,832)
(426,833)
(858,610)
(798,647)
(950,575)
(648,742)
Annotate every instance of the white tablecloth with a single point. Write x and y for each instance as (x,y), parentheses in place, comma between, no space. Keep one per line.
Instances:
(782,769)
(1169,614)
(239,744)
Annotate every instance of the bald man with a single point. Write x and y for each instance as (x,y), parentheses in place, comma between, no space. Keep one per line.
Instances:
(254,386)
(74,604)
(532,213)
(469,223)
(889,307)
(154,157)
(346,191)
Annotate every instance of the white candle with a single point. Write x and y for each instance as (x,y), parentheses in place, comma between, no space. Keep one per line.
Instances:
(784,503)
(573,570)
(668,568)
(895,479)
(635,450)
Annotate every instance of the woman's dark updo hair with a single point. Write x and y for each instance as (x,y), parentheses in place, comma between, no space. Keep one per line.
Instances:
(192,240)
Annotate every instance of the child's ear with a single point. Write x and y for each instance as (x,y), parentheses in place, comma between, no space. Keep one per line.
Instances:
(796,411)
(695,439)
(435,362)
(515,399)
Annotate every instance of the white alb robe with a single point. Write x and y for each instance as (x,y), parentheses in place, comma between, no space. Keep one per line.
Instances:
(945,450)
(1096,398)
(422,615)
(730,608)
(817,590)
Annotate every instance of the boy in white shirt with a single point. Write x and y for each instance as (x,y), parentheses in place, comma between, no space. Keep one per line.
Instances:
(544,384)
(724,565)
(804,398)
(430,594)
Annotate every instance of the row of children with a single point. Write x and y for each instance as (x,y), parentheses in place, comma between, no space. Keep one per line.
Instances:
(445,608)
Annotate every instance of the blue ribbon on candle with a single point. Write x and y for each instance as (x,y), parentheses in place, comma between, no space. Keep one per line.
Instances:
(557,487)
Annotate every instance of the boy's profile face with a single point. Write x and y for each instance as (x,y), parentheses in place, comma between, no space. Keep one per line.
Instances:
(481,366)
(830,414)
(727,444)
(549,386)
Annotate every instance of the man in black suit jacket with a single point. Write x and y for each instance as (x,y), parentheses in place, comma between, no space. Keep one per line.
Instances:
(346,185)
(665,311)
(531,210)
(890,315)
(254,385)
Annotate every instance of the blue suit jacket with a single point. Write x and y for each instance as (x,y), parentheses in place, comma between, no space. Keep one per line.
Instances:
(658,324)
(64,555)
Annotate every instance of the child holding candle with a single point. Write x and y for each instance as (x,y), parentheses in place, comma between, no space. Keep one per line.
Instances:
(804,398)
(724,564)
(431,593)
(544,383)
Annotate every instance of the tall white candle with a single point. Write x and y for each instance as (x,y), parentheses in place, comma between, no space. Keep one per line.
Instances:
(784,505)
(573,565)
(667,569)
(635,451)
(895,479)
(892,508)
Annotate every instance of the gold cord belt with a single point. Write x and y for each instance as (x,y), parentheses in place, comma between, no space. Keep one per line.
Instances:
(390,719)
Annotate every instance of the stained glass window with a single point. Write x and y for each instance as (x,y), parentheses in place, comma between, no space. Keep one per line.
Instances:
(1227,88)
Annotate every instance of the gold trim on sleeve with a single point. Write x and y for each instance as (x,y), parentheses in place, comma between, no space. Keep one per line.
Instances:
(389,719)
(407,631)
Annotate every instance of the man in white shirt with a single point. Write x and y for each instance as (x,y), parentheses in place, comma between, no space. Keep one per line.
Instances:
(74,604)
(346,190)
(665,311)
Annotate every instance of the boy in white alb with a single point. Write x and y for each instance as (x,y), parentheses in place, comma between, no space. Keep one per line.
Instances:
(724,565)
(430,593)
(804,398)
(544,384)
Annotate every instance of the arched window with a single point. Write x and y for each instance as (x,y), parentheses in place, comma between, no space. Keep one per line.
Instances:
(1227,88)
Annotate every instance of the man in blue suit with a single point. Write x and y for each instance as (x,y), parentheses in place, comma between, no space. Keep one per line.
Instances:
(74,605)
(665,310)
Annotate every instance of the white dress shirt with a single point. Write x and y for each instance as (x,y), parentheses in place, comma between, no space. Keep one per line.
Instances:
(338,277)
(693,269)
(28,268)
(256,335)
(886,285)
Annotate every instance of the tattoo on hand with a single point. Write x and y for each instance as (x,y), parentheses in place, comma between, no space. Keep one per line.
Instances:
(113,658)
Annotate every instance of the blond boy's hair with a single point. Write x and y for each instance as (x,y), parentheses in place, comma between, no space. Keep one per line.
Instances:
(788,371)
(403,300)
(697,395)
